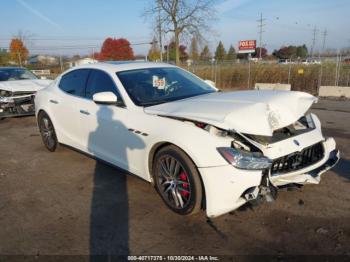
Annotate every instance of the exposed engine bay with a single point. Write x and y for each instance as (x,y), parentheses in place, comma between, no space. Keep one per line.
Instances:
(303,125)
(16,103)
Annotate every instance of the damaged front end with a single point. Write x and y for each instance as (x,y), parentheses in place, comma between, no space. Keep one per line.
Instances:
(261,166)
(298,156)
(16,103)
(273,182)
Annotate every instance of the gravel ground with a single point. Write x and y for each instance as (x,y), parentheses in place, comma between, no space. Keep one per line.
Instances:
(65,203)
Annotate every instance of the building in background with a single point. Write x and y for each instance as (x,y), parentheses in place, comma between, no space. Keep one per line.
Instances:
(43,60)
(82,61)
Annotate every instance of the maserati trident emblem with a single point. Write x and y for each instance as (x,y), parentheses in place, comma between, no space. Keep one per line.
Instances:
(296,142)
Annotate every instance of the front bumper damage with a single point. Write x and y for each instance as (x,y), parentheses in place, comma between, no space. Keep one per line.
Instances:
(17,105)
(311,174)
(228,188)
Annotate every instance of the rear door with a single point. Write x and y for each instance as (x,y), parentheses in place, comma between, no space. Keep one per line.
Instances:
(67,106)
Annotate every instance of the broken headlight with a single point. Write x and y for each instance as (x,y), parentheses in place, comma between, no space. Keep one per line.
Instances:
(243,159)
(4,93)
(6,100)
(5,96)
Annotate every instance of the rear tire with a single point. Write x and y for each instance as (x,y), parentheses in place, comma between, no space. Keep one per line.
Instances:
(47,132)
(177,180)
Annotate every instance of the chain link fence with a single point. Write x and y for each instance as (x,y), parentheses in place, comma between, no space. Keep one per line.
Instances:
(302,77)
(231,75)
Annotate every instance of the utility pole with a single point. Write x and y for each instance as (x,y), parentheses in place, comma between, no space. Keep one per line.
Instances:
(314,32)
(325,33)
(61,64)
(320,59)
(261,31)
(160,32)
(167,53)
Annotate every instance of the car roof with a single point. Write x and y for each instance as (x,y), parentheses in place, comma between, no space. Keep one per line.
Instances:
(118,66)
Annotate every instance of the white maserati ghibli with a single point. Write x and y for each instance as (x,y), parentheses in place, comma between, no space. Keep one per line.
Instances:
(199,147)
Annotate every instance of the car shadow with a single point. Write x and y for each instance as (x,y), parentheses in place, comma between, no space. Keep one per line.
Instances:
(109,218)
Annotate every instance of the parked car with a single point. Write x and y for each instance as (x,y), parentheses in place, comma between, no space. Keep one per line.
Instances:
(200,148)
(284,61)
(17,90)
(310,62)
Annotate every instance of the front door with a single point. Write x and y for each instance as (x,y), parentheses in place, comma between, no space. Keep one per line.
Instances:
(105,128)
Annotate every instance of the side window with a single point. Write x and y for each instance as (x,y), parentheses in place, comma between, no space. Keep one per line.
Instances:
(100,81)
(74,82)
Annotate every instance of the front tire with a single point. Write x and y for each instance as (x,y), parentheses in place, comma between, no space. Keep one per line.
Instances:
(177,180)
(47,132)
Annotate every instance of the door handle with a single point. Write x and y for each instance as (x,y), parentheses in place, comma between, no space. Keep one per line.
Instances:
(53,101)
(84,112)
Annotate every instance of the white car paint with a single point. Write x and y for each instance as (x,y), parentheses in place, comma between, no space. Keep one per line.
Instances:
(32,85)
(268,110)
(19,101)
(108,132)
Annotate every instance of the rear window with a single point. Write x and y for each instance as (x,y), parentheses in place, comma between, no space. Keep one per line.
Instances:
(74,82)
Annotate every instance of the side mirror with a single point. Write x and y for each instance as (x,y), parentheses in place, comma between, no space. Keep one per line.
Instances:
(211,83)
(43,78)
(105,98)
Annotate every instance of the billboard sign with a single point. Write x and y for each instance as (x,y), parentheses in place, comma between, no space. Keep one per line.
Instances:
(246,46)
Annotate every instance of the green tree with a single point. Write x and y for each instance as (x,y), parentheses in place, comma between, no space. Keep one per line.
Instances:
(154,51)
(302,51)
(172,52)
(4,57)
(231,54)
(220,52)
(194,55)
(291,52)
(205,54)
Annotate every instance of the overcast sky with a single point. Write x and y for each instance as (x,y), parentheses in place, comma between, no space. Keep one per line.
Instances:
(85,23)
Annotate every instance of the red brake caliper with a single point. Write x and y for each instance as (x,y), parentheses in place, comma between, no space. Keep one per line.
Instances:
(183,177)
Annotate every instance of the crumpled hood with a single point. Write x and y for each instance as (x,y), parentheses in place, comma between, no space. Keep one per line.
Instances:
(25,85)
(255,112)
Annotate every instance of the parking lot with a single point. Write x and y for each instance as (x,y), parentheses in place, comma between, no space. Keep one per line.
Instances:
(65,203)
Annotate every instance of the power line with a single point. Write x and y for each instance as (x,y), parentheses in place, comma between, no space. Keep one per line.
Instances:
(261,31)
(67,38)
(73,47)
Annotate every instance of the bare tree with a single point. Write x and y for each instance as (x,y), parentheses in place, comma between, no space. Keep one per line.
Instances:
(183,17)
(26,37)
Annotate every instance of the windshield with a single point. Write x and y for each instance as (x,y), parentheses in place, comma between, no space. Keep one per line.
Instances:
(154,86)
(9,74)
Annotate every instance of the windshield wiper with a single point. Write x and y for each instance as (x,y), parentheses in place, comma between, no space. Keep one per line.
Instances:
(153,103)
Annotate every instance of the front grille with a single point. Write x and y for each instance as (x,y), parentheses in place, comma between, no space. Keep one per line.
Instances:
(298,160)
